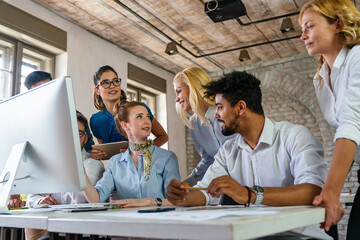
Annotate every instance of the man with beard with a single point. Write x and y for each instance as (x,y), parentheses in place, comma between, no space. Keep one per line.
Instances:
(269,163)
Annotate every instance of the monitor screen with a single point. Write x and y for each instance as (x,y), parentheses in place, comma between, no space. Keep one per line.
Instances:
(45,118)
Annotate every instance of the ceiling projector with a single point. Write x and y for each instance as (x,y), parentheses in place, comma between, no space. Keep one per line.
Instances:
(222,10)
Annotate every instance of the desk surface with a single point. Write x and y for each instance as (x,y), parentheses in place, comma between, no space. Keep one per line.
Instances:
(243,227)
(347,198)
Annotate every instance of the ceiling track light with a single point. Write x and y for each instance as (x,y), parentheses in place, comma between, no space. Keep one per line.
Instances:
(244,55)
(171,48)
(218,52)
(287,26)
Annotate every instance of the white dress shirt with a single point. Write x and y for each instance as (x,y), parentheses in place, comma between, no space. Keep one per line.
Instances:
(341,105)
(286,155)
(94,169)
(207,141)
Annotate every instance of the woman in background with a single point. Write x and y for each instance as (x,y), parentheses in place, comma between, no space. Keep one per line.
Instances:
(107,91)
(205,129)
(141,174)
(331,29)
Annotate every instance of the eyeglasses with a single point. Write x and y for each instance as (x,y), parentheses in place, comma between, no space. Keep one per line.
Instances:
(107,83)
(82,133)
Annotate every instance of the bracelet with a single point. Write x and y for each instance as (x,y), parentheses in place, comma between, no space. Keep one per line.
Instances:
(249,197)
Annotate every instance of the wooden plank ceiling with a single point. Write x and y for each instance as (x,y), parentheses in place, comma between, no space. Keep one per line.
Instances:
(126,24)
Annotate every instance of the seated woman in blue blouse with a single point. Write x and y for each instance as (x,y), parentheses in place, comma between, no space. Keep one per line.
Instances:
(141,174)
(107,91)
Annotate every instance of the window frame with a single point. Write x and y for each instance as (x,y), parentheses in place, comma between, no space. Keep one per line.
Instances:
(17,60)
(139,92)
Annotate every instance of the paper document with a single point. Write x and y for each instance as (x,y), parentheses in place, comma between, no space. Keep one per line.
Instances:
(193,215)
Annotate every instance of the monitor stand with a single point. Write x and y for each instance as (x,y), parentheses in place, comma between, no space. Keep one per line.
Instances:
(8,174)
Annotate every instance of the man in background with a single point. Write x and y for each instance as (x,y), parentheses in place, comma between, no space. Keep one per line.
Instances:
(38,78)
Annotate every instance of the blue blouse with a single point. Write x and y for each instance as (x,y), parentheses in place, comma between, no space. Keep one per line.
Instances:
(103,126)
(122,176)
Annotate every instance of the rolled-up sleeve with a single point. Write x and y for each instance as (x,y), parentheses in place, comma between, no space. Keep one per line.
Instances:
(171,171)
(106,184)
(307,162)
(217,169)
(349,117)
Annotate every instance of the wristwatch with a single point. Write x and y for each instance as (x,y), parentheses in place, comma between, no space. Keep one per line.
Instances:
(158,201)
(259,192)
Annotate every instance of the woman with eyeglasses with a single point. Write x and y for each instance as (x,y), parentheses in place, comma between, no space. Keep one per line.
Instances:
(331,30)
(107,91)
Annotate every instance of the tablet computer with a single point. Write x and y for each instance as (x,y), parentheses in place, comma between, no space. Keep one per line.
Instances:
(113,148)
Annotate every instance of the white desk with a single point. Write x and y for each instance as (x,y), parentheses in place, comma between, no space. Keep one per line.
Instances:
(347,198)
(224,228)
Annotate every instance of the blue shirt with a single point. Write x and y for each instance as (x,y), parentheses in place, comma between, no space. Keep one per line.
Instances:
(207,140)
(103,126)
(122,176)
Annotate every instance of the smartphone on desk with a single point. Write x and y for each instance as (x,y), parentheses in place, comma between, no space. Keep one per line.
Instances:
(153,210)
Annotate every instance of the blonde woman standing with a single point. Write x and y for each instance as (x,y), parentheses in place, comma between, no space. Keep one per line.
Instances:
(206,131)
(331,30)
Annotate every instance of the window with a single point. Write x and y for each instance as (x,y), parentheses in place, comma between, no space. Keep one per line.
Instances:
(17,60)
(6,66)
(137,94)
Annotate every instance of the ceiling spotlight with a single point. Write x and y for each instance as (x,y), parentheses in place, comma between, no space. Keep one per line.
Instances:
(244,55)
(171,48)
(287,26)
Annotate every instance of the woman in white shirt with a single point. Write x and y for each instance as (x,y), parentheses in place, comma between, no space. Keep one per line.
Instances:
(205,129)
(331,29)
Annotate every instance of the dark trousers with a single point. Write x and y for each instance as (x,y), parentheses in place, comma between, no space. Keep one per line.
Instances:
(353,230)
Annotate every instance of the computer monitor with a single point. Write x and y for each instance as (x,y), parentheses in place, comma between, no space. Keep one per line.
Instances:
(40,149)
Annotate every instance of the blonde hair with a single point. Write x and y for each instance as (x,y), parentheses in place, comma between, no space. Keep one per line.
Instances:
(346,12)
(195,78)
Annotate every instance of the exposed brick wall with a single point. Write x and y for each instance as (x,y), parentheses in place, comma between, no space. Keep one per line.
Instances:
(192,157)
(288,94)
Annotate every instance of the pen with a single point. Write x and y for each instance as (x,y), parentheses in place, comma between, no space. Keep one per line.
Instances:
(15,208)
(195,188)
(116,207)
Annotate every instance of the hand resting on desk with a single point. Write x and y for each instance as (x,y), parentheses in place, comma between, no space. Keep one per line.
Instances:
(15,201)
(49,200)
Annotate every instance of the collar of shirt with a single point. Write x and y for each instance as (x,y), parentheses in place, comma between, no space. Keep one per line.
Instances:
(267,136)
(126,155)
(324,70)
(106,112)
(340,59)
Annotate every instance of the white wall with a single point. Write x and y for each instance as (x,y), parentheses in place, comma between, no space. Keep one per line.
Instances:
(86,52)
